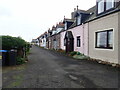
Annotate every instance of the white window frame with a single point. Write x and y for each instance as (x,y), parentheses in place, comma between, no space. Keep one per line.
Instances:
(65,25)
(112,4)
(98,8)
(79,20)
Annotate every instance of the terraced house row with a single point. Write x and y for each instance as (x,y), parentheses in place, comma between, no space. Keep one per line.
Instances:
(94,32)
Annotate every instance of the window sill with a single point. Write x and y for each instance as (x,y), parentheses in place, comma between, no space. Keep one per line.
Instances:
(104,47)
(106,11)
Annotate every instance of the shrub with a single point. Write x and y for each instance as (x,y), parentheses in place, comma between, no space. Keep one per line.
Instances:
(82,57)
(28,47)
(78,53)
(9,42)
(20,60)
(73,53)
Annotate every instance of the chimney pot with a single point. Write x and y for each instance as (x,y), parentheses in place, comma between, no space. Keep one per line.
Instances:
(74,9)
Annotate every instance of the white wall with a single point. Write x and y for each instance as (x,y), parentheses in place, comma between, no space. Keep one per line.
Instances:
(62,36)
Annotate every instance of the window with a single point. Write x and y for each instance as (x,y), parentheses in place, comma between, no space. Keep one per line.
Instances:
(78,41)
(64,42)
(78,20)
(110,39)
(109,4)
(101,6)
(66,26)
(104,5)
(104,39)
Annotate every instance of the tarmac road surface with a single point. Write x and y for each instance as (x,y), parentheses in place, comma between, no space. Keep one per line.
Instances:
(50,69)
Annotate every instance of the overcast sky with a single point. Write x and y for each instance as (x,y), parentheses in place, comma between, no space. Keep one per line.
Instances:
(30,18)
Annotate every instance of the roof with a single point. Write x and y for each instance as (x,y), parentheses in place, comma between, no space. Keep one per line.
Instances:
(68,20)
(53,27)
(80,11)
(93,13)
(77,12)
(73,25)
(45,33)
(91,10)
(60,25)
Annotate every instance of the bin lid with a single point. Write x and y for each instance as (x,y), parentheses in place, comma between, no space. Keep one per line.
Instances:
(3,50)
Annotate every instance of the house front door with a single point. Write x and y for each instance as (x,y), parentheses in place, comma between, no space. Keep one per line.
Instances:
(69,42)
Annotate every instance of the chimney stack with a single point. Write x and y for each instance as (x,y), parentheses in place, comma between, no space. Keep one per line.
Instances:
(74,9)
(64,17)
(77,7)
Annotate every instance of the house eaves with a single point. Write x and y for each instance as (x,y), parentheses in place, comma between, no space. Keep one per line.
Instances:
(94,15)
(103,15)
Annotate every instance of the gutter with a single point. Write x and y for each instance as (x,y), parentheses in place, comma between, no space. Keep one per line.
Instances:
(83,38)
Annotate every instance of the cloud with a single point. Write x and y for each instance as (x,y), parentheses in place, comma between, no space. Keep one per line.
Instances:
(5,11)
(30,18)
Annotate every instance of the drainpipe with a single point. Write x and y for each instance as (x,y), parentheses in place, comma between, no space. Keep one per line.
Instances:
(83,37)
(88,39)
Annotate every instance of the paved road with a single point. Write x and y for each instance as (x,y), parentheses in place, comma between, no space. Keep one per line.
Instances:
(49,69)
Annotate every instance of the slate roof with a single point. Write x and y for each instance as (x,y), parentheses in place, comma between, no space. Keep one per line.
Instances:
(94,15)
(60,25)
(92,12)
(45,33)
(68,20)
(73,25)
(77,12)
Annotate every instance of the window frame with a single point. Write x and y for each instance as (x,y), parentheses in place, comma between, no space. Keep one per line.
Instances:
(105,5)
(65,26)
(64,42)
(78,38)
(111,7)
(78,20)
(98,4)
(107,39)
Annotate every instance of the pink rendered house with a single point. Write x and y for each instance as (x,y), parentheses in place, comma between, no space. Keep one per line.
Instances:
(75,35)
(79,31)
(80,34)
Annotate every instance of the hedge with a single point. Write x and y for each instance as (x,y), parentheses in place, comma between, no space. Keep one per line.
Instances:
(9,42)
